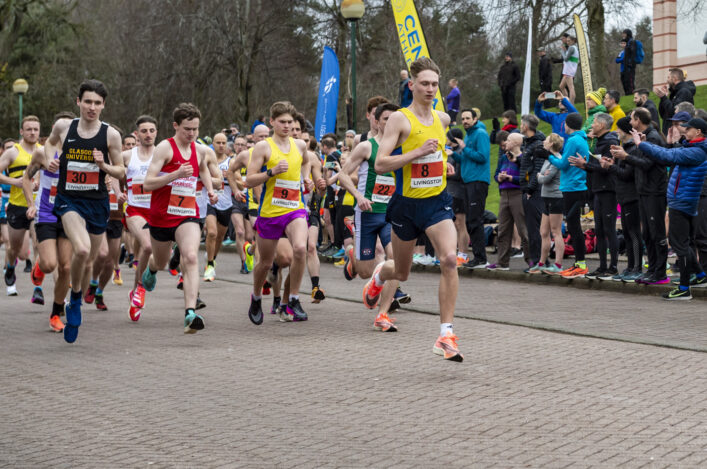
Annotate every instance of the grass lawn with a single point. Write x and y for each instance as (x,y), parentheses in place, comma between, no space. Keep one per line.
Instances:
(626,104)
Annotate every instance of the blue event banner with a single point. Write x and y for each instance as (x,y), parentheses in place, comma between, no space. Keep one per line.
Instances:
(328,100)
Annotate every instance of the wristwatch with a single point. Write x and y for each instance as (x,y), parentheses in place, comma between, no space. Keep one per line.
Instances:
(269,173)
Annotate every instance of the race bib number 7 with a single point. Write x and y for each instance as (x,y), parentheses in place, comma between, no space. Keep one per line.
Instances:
(427,171)
(182,198)
(383,189)
(286,194)
(81,176)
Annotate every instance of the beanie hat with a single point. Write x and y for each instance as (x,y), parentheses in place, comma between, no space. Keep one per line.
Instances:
(574,121)
(624,124)
(598,95)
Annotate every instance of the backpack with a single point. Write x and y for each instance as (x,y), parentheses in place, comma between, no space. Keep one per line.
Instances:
(640,53)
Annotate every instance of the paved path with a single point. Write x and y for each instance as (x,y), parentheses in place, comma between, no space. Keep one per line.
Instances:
(332,392)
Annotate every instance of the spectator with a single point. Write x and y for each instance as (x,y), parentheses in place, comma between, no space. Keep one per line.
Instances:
(573,184)
(628,64)
(405,93)
(620,58)
(260,120)
(689,168)
(611,103)
(474,155)
(676,132)
(455,187)
(604,193)
(510,210)
(532,159)
(551,223)
(640,99)
(555,119)
(675,92)
(594,105)
(453,100)
(570,61)
(651,184)
(508,76)
(510,125)
(544,71)
(332,160)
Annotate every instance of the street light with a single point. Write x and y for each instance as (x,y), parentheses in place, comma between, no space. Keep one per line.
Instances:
(20,87)
(353,11)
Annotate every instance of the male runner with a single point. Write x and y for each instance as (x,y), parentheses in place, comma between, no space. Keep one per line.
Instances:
(242,226)
(87,146)
(218,215)
(281,209)
(413,147)
(178,163)
(15,161)
(372,195)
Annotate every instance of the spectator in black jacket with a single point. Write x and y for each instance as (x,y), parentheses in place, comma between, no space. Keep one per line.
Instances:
(604,195)
(675,92)
(508,77)
(628,72)
(640,99)
(531,162)
(651,184)
(544,71)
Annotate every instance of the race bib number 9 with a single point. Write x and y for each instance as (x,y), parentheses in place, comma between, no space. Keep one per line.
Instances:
(81,176)
(182,198)
(139,193)
(427,171)
(383,189)
(286,194)
(52,190)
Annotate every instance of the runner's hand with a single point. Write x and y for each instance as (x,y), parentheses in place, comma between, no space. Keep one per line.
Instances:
(31,212)
(281,167)
(17,182)
(213,198)
(308,184)
(429,147)
(184,171)
(122,198)
(364,204)
(98,158)
(321,184)
(53,166)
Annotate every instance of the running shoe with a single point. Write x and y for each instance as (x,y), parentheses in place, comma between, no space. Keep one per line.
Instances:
(12,290)
(275,309)
(447,347)
(56,324)
(426,260)
(249,258)
(631,277)
(130,259)
(349,272)
(416,259)
(658,281)
(134,312)
(100,304)
(149,280)
(536,269)
(173,272)
(497,267)
(90,294)
(37,275)
(317,295)
(394,306)
(401,296)
(574,272)
(73,321)
(243,270)
(294,311)
(384,323)
(516,253)
(10,277)
(117,279)
(255,312)
(645,278)
(38,296)
(266,288)
(180,282)
(593,275)
(137,296)
(338,254)
(589,215)
(123,252)
(476,264)
(340,263)
(371,291)
(227,242)
(676,282)
(199,303)
(192,322)
(28,266)
(608,274)
(698,282)
(551,269)
(174,261)
(209,273)
(677,294)
(619,277)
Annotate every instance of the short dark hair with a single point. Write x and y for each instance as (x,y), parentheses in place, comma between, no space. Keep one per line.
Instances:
(677,72)
(422,64)
(615,95)
(299,117)
(385,107)
(501,137)
(8,140)
(64,115)
(282,107)
(127,136)
(328,142)
(473,113)
(374,102)
(511,116)
(185,111)
(94,86)
(145,118)
(642,91)
(643,115)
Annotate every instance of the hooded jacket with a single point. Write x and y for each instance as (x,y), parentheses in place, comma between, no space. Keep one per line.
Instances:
(590,117)
(651,176)
(572,179)
(600,180)
(688,176)
(531,161)
(475,158)
(683,91)
(555,119)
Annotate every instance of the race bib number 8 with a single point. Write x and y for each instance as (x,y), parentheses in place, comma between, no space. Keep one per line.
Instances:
(286,194)
(139,194)
(383,189)
(81,176)
(427,171)
(182,198)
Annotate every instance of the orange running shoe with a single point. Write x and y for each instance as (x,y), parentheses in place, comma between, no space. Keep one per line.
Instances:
(134,313)
(384,323)
(37,275)
(574,272)
(447,347)
(349,272)
(137,298)
(56,324)
(371,291)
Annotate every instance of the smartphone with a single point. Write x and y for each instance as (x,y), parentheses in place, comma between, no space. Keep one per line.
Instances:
(597,156)
(549,95)
(330,165)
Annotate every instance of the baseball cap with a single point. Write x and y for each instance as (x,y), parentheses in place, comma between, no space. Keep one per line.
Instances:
(696,123)
(681,116)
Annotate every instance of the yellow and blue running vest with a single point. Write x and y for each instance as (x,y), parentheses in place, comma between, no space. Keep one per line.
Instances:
(424,177)
(15,170)
(281,193)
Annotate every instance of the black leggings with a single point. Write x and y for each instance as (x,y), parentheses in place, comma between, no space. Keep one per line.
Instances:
(653,223)
(631,225)
(605,227)
(682,230)
(573,203)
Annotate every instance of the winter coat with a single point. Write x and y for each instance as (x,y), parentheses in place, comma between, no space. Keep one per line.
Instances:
(600,180)
(590,117)
(508,74)
(532,159)
(545,73)
(651,176)
(475,158)
(683,91)
(555,119)
(572,179)
(624,178)
(551,182)
(511,168)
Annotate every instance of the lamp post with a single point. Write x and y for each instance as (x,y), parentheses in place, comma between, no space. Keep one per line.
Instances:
(20,87)
(353,11)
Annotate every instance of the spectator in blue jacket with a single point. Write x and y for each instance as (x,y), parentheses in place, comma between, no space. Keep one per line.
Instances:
(555,119)
(573,185)
(474,156)
(453,100)
(689,169)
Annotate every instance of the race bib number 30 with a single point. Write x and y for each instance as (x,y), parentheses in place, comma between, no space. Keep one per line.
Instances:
(427,171)
(182,198)
(383,189)
(286,194)
(81,176)
(139,193)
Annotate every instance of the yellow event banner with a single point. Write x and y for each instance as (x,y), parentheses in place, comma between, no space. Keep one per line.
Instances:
(583,56)
(412,38)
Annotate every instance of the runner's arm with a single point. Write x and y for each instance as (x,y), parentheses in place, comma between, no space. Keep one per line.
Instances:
(213,169)
(205,167)
(254,176)
(305,169)
(7,158)
(115,169)
(397,126)
(37,162)
(360,153)
(153,180)
(234,168)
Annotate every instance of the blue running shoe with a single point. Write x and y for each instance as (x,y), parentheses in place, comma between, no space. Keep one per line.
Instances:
(149,280)
(192,322)
(401,297)
(73,321)
(339,254)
